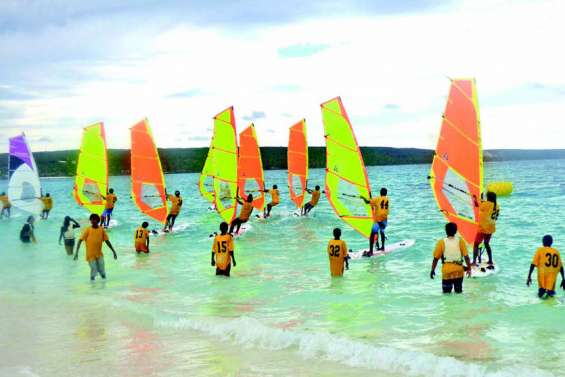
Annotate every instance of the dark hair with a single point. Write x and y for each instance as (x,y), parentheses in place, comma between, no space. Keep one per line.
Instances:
(275,187)
(450,229)
(491,197)
(144,224)
(3,193)
(337,232)
(547,240)
(66,221)
(47,195)
(384,191)
(94,216)
(30,219)
(224,227)
(177,193)
(111,191)
(249,198)
(317,188)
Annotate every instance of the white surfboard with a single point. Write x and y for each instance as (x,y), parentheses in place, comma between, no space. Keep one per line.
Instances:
(389,248)
(113,224)
(482,270)
(244,228)
(177,228)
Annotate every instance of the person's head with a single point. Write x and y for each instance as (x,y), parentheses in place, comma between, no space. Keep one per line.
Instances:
(94,220)
(177,193)
(547,240)
(224,227)
(491,197)
(275,187)
(66,221)
(384,191)
(450,229)
(317,188)
(337,233)
(30,220)
(144,224)
(111,191)
(47,195)
(250,198)
(3,193)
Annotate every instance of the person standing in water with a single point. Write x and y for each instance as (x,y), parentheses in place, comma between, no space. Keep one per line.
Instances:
(488,214)
(379,209)
(47,206)
(338,254)
(275,200)
(141,238)
(313,200)
(27,234)
(244,214)
(111,200)
(451,250)
(176,204)
(223,251)
(94,236)
(68,234)
(549,264)
(6,205)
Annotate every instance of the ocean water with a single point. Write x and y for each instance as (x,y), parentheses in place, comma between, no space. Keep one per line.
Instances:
(280,314)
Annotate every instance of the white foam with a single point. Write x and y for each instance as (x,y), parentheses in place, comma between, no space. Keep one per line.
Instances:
(249,332)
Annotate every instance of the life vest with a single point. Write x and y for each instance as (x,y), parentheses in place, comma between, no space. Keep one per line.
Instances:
(452,253)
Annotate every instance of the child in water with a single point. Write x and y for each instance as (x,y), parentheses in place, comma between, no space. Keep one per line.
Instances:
(6,205)
(176,204)
(223,251)
(47,206)
(338,254)
(313,201)
(68,234)
(548,261)
(275,200)
(111,200)
(141,238)
(27,234)
(244,214)
(94,236)
(451,251)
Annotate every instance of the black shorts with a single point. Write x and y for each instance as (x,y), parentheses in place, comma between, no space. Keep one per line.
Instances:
(308,206)
(449,284)
(225,272)
(171,217)
(70,242)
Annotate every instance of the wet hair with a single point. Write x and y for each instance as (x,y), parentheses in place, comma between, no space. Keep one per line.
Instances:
(384,191)
(450,229)
(249,198)
(66,221)
(30,219)
(144,224)
(491,197)
(547,240)
(3,193)
(275,187)
(224,227)
(94,216)
(111,191)
(337,232)
(177,193)
(317,188)
(47,195)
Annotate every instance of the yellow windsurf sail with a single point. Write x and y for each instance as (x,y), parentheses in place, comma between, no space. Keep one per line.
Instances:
(346,176)
(218,181)
(91,181)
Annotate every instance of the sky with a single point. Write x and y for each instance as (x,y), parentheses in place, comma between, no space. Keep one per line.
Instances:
(67,64)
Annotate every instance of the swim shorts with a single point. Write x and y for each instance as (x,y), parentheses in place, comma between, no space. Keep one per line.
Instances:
(380,226)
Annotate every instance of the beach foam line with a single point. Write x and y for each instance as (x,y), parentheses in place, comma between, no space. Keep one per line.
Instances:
(250,332)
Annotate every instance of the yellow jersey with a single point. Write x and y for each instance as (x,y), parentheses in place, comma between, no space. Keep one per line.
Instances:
(246,210)
(222,247)
(548,261)
(487,217)
(111,200)
(450,270)
(141,235)
(5,201)
(379,208)
(315,198)
(47,203)
(274,196)
(176,203)
(93,238)
(337,251)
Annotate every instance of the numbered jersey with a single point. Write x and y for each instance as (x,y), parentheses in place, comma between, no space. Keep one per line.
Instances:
(223,245)
(548,261)
(379,207)
(488,215)
(141,235)
(337,251)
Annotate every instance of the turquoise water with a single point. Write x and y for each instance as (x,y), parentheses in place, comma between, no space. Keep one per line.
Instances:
(281,314)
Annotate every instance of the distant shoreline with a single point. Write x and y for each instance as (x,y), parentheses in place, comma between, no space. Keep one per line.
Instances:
(62,164)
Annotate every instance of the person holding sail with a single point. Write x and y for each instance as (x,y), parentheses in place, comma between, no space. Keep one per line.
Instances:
(275,200)
(488,214)
(313,200)
(244,214)
(379,209)
(111,200)
(176,204)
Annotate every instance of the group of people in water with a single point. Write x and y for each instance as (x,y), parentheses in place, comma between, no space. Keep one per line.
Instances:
(451,250)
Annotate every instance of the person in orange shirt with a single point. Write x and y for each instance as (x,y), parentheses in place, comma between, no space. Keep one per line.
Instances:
(451,250)
(338,254)
(176,204)
(111,200)
(47,206)
(379,209)
(275,200)
(313,201)
(6,205)
(244,214)
(488,214)
(141,238)
(549,264)
(94,236)
(223,251)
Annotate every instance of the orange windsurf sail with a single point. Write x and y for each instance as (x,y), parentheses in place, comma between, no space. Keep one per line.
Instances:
(457,169)
(297,160)
(147,181)
(250,168)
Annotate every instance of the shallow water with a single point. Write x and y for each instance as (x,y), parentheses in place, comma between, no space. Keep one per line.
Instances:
(281,314)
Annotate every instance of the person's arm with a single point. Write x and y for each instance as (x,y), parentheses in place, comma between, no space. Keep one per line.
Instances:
(367,201)
(433,271)
(78,248)
(562,278)
(529,280)
(233,258)
(112,248)
(468,268)
(239,200)
(76,224)
(147,242)
(212,261)
(32,236)
(232,249)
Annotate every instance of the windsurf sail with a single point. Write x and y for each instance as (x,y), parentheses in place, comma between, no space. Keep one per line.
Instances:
(218,181)
(457,169)
(24,188)
(297,161)
(147,181)
(91,181)
(250,168)
(346,176)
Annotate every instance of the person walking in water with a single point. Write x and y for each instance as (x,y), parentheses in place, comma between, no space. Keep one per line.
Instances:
(27,233)
(223,251)
(549,264)
(47,206)
(67,234)
(338,254)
